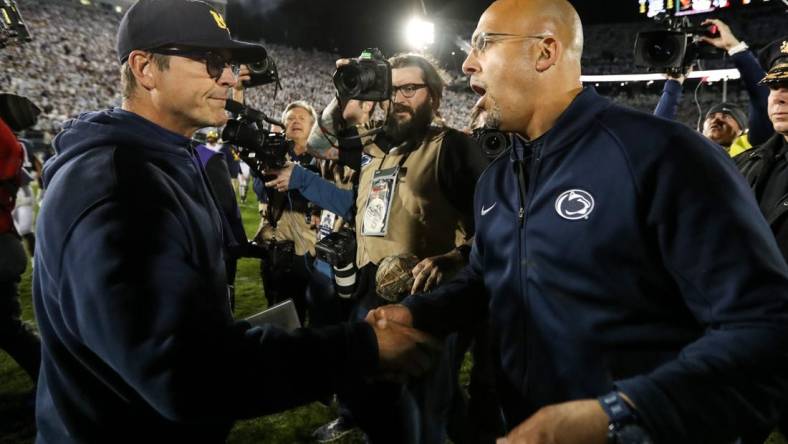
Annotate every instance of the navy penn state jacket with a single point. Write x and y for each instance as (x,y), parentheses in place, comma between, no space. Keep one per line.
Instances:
(632,257)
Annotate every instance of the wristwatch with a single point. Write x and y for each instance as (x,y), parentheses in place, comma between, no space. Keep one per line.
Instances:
(624,426)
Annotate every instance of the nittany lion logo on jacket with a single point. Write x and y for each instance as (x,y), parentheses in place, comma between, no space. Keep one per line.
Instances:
(574,204)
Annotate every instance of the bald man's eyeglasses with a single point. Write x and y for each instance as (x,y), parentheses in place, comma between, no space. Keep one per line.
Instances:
(480,41)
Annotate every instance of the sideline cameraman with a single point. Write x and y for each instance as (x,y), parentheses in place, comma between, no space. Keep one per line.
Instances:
(725,123)
(286,222)
(428,214)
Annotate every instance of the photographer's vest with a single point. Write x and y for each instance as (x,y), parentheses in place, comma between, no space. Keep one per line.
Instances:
(421,220)
(294,224)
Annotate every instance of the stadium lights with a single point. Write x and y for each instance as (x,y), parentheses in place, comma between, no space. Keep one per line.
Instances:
(419,33)
(710,76)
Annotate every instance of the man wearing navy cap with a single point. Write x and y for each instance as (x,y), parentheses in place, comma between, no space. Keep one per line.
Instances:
(130,291)
(766,166)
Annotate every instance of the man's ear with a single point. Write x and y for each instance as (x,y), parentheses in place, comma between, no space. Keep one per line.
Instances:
(549,51)
(142,67)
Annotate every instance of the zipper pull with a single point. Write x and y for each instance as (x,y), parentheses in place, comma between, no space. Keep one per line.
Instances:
(521,216)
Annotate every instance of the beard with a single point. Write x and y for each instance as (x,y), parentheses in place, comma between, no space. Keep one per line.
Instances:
(492,117)
(410,130)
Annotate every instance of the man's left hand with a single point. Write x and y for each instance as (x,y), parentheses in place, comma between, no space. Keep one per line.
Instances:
(566,423)
(726,40)
(431,271)
(281,180)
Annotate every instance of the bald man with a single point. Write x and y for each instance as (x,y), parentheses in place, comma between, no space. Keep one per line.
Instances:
(634,290)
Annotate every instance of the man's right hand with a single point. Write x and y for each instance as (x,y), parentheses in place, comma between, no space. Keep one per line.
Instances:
(401,348)
(281,180)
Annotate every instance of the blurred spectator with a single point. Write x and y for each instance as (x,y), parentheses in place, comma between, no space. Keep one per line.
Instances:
(16,337)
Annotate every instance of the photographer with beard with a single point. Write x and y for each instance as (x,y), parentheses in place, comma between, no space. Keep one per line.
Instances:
(414,196)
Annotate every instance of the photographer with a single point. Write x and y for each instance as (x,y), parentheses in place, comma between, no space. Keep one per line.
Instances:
(414,196)
(286,222)
(725,124)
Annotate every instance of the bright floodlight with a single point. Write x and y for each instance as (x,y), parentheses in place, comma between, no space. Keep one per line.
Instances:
(419,33)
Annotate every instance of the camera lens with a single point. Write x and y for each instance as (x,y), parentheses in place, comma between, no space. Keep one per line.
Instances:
(354,80)
(347,81)
(662,50)
(259,67)
(242,134)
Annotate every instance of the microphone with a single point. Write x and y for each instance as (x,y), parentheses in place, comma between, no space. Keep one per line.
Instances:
(250,113)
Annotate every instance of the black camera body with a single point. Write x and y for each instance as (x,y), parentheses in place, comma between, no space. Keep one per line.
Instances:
(11,24)
(493,142)
(675,47)
(366,78)
(337,249)
(262,73)
(260,149)
(278,254)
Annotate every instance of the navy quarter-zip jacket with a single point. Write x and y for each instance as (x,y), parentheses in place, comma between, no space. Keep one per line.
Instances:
(632,257)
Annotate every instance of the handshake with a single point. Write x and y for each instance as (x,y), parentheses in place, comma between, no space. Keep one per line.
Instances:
(403,351)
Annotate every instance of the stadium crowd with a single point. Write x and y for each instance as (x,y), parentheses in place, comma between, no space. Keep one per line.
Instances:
(579,267)
(65,70)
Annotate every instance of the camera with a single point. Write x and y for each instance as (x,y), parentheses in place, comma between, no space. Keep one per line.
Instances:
(339,250)
(492,141)
(11,24)
(278,254)
(366,78)
(260,149)
(261,73)
(676,46)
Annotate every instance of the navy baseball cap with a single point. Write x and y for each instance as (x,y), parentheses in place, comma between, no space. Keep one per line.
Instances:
(151,24)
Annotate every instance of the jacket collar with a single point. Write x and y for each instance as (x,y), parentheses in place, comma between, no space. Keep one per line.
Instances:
(573,122)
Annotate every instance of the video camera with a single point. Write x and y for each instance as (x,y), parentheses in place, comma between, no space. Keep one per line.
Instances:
(261,149)
(675,47)
(11,24)
(365,78)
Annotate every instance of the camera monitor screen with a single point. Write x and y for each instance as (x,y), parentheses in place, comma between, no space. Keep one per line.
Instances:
(651,8)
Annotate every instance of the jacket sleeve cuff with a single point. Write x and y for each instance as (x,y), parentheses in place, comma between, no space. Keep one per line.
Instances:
(419,313)
(672,87)
(363,348)
(654,408)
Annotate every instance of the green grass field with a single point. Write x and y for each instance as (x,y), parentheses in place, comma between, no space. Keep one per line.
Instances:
(294,426)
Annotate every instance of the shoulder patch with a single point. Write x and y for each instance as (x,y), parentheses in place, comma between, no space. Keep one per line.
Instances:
(366,159)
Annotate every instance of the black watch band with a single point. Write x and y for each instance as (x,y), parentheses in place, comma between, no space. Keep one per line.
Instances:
(621,415)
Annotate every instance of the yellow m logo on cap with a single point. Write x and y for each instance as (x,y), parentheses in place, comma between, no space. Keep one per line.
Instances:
(219,20)
(784,47)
